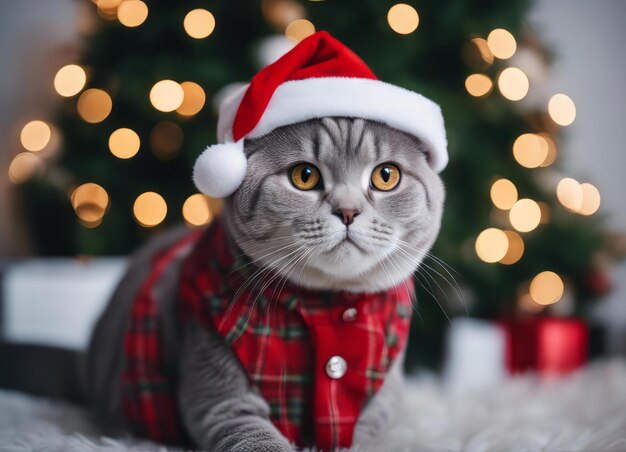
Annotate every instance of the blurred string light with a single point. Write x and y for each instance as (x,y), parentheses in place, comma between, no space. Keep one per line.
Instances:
(193,99)
(70,80)
(530,150)
(107,9)
(199,23)
(525,215)
(90,202)
(166,95)
(197,210)
(35,136)
(483,50)
(526,303)
(124,143)
(545,212)
(166,139)
(552,151)
(515,250)
(299,29)
(492,245)
(478,85)
(132,13)
(583,199)
(501,43)
(94,105)
(513,83)
(403,18)
(562,109)
(149,209)
(503,194)
(280,13)
(546,288)
(24,166)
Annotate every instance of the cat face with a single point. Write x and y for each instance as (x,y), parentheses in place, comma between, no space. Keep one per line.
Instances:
(337,204)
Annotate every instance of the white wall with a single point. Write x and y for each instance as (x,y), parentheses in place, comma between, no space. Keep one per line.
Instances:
(588,38)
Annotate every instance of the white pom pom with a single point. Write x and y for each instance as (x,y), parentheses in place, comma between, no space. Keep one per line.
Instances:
(220,169)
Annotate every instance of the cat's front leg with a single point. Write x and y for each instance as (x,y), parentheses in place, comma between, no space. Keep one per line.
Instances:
(220,410)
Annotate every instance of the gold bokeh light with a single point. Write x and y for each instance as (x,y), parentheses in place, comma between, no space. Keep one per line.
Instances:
(24,166)
(299,29)
(478,85)
(199,23)
(530,150)
(193,99)
(501,43)
(513,83)
(403,18)
(90,202)
(546,288)
(570,194)
(35,136)
(94,105)
(503,194)
(515,250)
(124,143)
(132,13)
(552,149)
(591,199)
(562,109)
(525,215)
(149,209)
(492,245)
(166,95)
(483,49)
(197,210)
(70,80)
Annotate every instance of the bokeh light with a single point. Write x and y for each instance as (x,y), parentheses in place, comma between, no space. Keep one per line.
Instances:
(70,80)
(199,23)
(552,150)
(94,105)
(503,194)
(570,194)
(166,95)
(546,288)
(545,212)
(299,29)
(530,150)
(166,139)
(124,143)
(24,166)
(132,13)
(193,99)
(562,109)
(591,199)
(403,18)
(525,215)
(513,83)
(35,135)
(501,43)
(280,13)
(478,85)
(483,50)
(492,245)
(90,202)
(197,210)
(515,250)
(149,209)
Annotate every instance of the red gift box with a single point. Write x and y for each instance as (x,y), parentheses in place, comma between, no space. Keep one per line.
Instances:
(546,345)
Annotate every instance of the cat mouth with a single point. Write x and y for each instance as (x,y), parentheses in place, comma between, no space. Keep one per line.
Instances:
(347,241)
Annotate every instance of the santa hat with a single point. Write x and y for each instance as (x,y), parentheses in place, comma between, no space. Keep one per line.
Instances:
(320,77)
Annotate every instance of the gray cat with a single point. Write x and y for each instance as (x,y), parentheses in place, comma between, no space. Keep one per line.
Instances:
(353,231)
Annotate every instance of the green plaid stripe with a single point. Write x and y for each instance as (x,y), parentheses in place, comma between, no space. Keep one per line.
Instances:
(238,329)
(293,409)
(287,332)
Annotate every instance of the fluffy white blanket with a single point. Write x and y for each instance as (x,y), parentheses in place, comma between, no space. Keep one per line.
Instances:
(583,412)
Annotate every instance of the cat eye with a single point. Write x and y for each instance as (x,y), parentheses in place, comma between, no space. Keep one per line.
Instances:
(385,177)
(305,176)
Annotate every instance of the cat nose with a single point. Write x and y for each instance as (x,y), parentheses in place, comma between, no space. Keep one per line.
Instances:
(346,215)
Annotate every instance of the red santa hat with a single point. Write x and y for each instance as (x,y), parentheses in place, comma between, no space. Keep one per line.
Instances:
(320,77)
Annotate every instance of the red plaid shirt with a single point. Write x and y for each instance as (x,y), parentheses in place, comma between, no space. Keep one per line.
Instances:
(284,336)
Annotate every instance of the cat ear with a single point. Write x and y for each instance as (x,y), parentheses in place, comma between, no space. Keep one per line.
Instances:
(220,169)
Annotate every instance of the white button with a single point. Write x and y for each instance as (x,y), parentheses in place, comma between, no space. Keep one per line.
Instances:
(349,315)
(336,367)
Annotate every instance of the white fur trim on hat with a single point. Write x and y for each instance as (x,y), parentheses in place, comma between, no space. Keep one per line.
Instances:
(220,169)
(300,100)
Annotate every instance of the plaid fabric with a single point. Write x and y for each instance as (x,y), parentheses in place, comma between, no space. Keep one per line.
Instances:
(284,337)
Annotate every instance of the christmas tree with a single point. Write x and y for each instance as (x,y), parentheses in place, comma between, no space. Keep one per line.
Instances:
(138,108)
